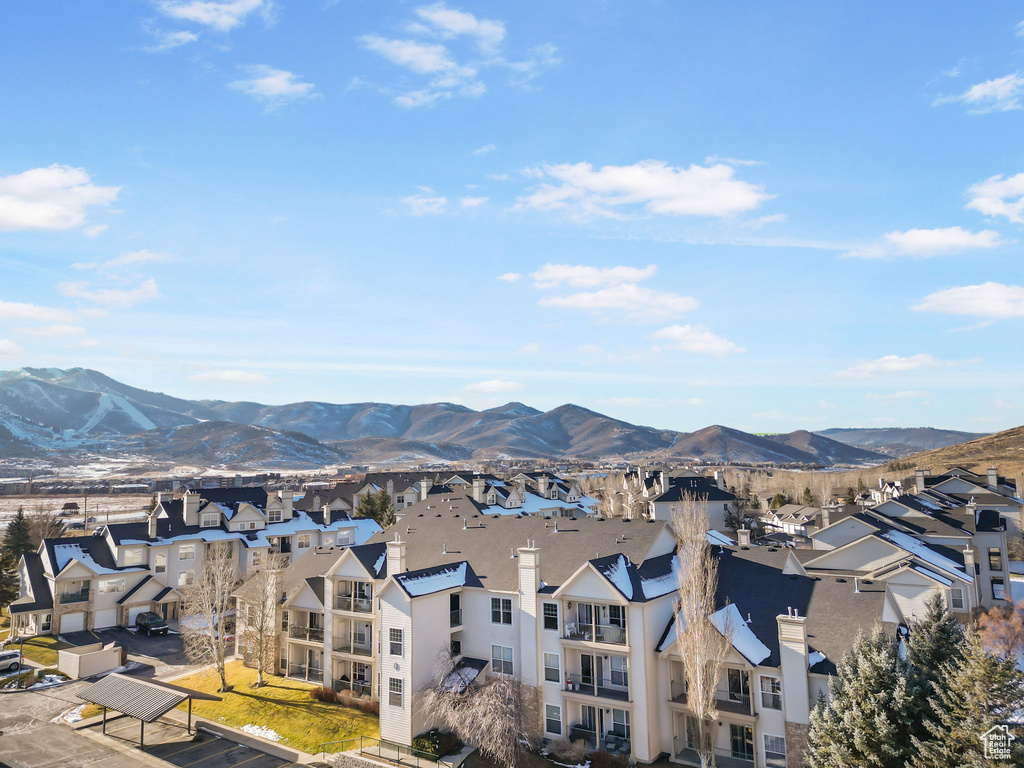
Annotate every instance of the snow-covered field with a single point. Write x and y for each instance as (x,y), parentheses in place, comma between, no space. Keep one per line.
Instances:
(98,506)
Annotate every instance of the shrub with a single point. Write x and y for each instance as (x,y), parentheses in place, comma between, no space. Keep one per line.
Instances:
(605,760)
(570,752)
(325,694)
(437,743)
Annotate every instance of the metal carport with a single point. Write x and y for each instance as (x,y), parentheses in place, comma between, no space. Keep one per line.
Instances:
(143,700)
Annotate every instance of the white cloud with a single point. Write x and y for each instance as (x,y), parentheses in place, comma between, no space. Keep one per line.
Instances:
(698,340)
(1001,94)
(591,349)
(493,387)
(121,298)
(421,205)
(714,159)
(650,185)
(424,58)
(134,257)
(473,202)
(8,347)
(222,15)
(56,331)
(50,198)
(530,349)
(484,150)
(230,377)
(997,196)
(511,277)
(538,59)
(448,22)
(166,41)
(581,276)
(894,397)
(626,301)
(994,300)
(12,310)
(891,364)
(274,87)
(928,242)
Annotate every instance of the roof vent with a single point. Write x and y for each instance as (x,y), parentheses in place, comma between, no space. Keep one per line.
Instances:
(465,525)
(749,620)
(513,551)
(444,549)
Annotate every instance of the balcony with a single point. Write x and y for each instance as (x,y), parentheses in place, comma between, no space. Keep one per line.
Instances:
(595,633)
(81,596)
(724,758)
(346,644)
(309,634)
(611,742)
(597,686)
(726,701)
(455,619)
(358,687)
(353,604)
(310,674)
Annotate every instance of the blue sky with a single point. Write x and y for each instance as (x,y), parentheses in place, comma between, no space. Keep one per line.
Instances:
(772,216)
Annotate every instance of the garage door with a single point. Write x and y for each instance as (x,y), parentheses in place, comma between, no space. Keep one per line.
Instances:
(72,622)
(134,613)
(106,618)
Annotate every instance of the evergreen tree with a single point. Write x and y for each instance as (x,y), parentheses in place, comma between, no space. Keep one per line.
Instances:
(867,720)
(851,496)
(385,510)
(934,641)
(18,536)
(9,581)
(367,506)
(807,498)
(778,500)
(974,692)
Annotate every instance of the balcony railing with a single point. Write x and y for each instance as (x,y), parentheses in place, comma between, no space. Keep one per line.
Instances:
(81,596)
(358,687)
(346,644)
(309,634)
(456,618)
(724,758)
(613,742)
(302,672)
(353,604)
(597,686)
(595,633)
(726,701)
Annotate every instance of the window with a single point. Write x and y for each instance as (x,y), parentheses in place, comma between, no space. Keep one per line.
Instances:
(501,610)
(551,670)
(133,557)
(551,616)
(998,590)
(47,622)
(187,552)
(552,719)
(995,559)
(111,585)
(284,621)
(771,692)
(619,670)
(303,542)
(620,723)
(210,520)
(617,616)
(399,501)
(274,516)
(775,747)
(257,558)
(160,565)
(956,599)
(184,578)
(395,638)
(501,659)
(344,538)
(395,691)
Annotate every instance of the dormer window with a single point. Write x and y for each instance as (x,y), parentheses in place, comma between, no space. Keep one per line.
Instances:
(554,494)
(274,516)
(491,499)
(210,520)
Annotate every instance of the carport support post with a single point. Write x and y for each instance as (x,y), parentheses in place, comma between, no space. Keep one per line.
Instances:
(142,735)
(104,721)
(190,715)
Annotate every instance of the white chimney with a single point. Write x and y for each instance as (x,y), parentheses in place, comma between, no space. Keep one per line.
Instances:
(396,556)
(826,516)
(190,507)
(478,490)
(425,486)
(542,485)
(919,476)
(743,535)
(969,561)
(720,479)
(287,500)
(993,477)
(151,527)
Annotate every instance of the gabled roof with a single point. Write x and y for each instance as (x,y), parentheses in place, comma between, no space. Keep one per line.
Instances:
(439,578)
(39,598)
(701,487)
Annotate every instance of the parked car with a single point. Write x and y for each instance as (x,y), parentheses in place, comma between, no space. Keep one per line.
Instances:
(76,526)
(150,623)
(10,660)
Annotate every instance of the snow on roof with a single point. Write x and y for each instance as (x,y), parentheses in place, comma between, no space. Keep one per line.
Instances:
(65,553)
(618,574)
(719,539)
(933,575)
(534,504)
(460,678)
(380,562)
(433,580)
(661,585)
(729,622)
(815,657)
(922,551)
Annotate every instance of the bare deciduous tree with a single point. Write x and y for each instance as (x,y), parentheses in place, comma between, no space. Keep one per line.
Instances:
(699,643)
(45,523)
(258,613)
(489,715)
(205,606)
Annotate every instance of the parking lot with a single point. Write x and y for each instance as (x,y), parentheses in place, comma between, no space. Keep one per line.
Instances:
(169,741)
(166,650)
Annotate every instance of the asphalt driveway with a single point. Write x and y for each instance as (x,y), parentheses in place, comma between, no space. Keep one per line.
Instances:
(158,650)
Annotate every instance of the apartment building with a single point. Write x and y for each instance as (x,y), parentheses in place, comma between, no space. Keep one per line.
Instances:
(124,569)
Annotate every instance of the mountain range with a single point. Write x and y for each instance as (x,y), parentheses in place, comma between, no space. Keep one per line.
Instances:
(56,412)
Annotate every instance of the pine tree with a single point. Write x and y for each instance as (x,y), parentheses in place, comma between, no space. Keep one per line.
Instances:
(9,581)
(850,497)
(778,500)
(18,536)
(867,720)
(934,641)
(807,498)
(367,506)
(385,510)
(974,693)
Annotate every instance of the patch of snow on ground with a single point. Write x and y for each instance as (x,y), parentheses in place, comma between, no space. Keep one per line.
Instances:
(75,715)
(262,731)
